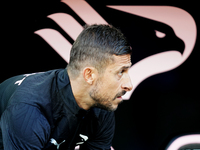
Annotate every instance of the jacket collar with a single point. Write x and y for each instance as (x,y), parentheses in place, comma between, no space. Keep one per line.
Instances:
(67,95)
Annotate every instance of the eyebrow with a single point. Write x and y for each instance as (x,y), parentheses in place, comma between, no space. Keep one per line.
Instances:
(125,67)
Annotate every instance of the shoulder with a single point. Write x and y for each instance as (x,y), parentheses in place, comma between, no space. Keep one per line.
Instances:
(35,88)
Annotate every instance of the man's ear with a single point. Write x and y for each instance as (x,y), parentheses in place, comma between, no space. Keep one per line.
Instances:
(89,74)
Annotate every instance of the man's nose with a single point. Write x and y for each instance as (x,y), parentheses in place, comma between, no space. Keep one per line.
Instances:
(127,85)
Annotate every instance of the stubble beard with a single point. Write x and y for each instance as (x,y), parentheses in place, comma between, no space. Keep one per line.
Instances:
(103,101)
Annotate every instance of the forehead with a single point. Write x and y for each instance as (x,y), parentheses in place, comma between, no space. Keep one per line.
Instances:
(121,61)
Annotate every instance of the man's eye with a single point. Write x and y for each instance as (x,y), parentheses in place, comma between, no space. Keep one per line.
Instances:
(121,73)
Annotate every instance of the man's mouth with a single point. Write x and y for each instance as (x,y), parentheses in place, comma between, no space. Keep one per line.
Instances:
(119,96)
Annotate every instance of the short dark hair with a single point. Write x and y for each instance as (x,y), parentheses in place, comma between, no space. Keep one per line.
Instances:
(95,46)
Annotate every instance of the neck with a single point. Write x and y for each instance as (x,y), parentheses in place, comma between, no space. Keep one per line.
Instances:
(80,91)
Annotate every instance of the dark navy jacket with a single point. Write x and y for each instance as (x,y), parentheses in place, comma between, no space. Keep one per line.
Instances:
(38,111)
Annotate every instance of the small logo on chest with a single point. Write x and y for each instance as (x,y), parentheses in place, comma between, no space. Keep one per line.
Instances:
(53,141)
(83,139)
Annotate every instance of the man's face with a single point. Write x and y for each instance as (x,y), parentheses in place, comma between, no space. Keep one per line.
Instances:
(112,84)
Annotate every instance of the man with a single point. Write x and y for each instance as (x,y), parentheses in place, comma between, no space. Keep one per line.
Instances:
(60,109)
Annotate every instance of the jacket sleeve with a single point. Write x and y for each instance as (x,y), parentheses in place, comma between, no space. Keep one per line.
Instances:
(104,136)
(24,127)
